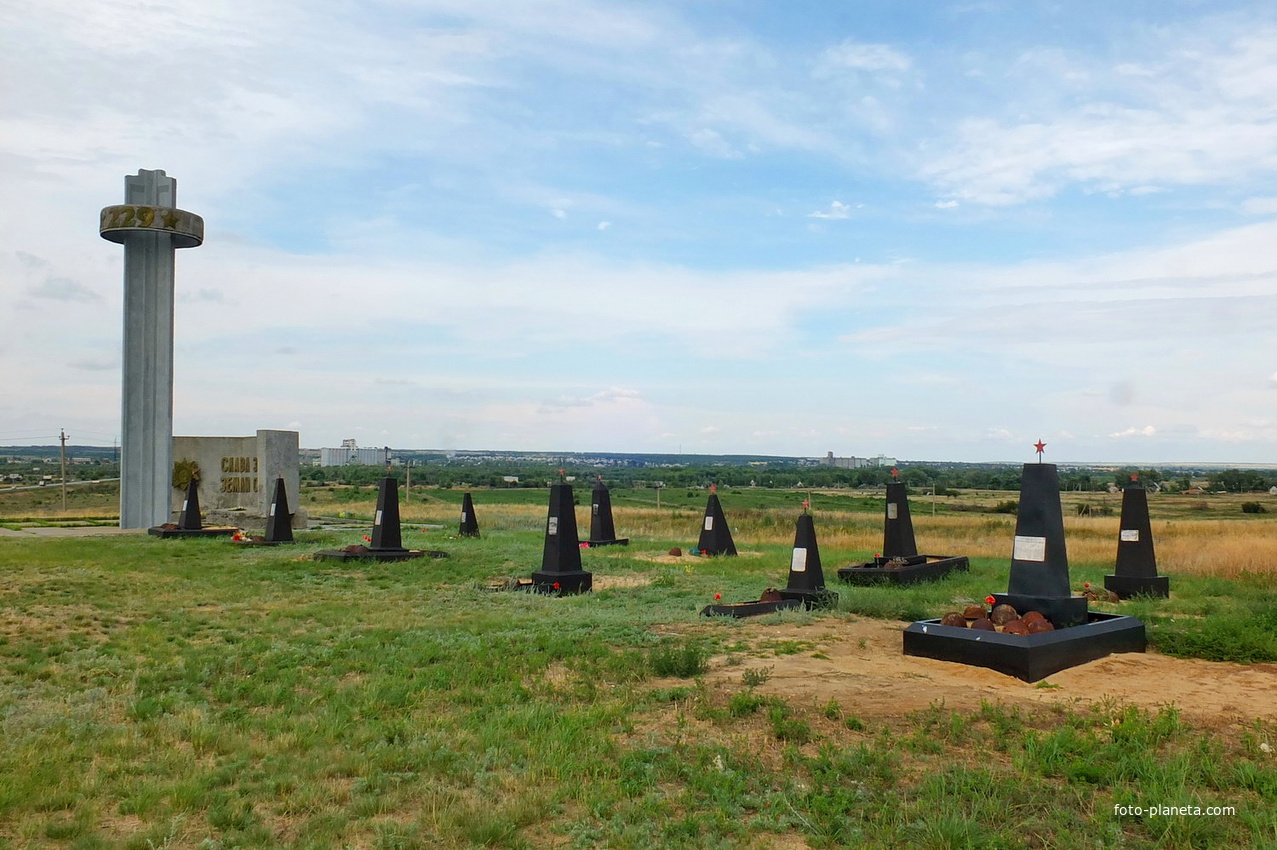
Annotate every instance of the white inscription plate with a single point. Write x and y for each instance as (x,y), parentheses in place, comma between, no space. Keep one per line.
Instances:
(709,523)
(596,510)
(893,510)
(798,563)
(553,527)
(1029,549)
(272,509)
(1130,535)
(463,516)
(377,519)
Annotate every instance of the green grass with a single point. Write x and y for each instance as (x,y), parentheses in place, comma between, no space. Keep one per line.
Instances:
(196,694)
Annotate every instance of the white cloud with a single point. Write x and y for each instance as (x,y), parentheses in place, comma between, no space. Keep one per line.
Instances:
(863,57)
(1260,206)
(62,289)
(1146,431)
(837,210)
(1194,115)
(604,225)
(947,205)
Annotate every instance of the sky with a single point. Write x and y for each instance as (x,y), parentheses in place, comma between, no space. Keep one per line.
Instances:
(934,231)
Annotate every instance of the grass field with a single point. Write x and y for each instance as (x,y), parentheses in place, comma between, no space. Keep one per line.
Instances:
(197,694)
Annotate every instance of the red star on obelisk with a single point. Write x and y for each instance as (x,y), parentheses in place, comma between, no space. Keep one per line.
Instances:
(713,488)
(895,473)
(1040,447)
(806,505)
(1135,476)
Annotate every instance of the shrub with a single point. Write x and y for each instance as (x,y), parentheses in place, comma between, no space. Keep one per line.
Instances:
(1253,508)
(1010,506)
(682,660)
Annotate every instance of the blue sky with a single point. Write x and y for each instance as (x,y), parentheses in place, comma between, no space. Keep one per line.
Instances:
(930,230)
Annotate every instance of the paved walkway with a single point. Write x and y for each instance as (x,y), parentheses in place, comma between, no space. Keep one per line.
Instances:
(76,531)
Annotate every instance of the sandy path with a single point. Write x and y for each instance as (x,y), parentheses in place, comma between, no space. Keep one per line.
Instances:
(868,674)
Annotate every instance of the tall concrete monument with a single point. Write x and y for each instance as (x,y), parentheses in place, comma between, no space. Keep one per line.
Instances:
(150,227)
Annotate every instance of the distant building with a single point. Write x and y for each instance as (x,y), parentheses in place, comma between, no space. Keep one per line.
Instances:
(352,453)
(857,462)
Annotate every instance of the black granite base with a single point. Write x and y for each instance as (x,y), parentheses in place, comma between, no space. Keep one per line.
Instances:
(1027,657)
(562,583)
(916,568)
(365,554)
(811,600)
(178,533)
(1127,586)
(623,541)
(1062,611)
(740,610)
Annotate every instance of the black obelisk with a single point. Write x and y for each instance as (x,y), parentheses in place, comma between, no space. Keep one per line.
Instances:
(602,529)
(279,521)
(806,577)
(1039,561)
(716,537)
(469,526)
(897,525)
(189,518)
(1136,572)
(561,571)
(386,534)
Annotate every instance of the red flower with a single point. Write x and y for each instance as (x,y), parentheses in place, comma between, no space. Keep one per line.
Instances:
(583,545)
(990,600)
(1086,584)
(556,585)
(717,596)
(367,539)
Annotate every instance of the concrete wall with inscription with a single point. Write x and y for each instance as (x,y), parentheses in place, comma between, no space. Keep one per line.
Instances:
(240,472)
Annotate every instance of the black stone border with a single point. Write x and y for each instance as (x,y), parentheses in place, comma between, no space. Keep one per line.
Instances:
(933,567)
(176,533)
(1127,586)
(375,555)
(1030,658)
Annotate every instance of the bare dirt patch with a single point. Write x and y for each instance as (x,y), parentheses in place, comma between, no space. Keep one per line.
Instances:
(860,664)
(684,559)
(611,582)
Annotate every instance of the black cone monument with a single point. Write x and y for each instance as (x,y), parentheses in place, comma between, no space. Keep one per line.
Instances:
(1039,582)
(469,526)
(188,522)
(805,587)
(900,562)
(716,537)
(279,520)
(561,572)
(189,517)
(1136,571)
(387,537)
(602,528)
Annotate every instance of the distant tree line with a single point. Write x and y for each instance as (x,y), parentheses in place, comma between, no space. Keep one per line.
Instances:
(444,472)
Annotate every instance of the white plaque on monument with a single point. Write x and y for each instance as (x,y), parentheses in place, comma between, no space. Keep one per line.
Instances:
(893,510)
(1029,549)
(553,526)
(377,519)
(1130,535)
(709,523)
(798,563)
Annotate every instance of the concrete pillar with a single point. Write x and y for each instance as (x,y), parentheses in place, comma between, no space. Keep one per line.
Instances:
(150,227)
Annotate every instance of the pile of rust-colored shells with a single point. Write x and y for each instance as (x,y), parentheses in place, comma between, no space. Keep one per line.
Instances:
(1003,618)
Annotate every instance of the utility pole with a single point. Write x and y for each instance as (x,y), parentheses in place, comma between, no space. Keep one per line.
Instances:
(408,484)
(63,438)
